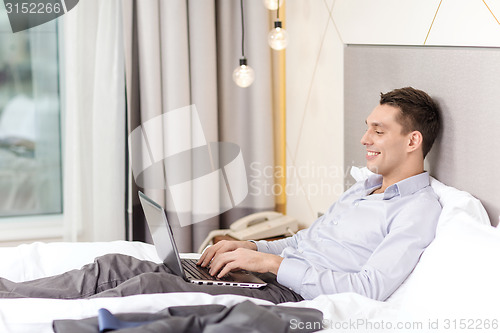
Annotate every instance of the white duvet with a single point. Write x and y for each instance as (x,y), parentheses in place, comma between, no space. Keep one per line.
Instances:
(453,288)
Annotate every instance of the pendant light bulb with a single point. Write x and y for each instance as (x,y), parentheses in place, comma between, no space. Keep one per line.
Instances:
(272,4)
(243,75)
(278,37)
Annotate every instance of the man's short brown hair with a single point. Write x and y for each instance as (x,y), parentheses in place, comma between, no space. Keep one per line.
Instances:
(418,112)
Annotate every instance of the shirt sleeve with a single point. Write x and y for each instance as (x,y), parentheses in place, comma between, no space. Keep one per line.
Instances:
(277,246)
(410,232)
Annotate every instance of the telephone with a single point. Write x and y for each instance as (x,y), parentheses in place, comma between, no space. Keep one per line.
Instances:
(256,226)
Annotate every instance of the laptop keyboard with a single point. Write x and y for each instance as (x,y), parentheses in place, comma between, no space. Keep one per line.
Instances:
(197,272)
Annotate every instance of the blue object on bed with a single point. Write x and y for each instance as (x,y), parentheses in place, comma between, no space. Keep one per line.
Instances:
(108,322)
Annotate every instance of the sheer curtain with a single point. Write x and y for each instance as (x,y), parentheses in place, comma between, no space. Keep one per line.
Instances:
(94,120)
(179,58)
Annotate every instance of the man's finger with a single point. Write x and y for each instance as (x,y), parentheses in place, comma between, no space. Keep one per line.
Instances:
(220,261)
(208,255)
(216,265)
(227,268)
(203,256)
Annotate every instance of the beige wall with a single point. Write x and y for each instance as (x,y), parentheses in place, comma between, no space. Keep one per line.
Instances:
(318,31)
(314,109)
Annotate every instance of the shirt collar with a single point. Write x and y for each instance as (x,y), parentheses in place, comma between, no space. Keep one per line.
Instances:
(403,188)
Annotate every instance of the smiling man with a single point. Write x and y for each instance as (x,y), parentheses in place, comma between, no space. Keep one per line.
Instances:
(370,240)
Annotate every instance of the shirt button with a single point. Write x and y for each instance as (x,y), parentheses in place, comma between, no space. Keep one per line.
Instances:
(335,222)
(356,203)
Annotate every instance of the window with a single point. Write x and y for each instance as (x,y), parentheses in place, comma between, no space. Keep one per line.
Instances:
(30,139)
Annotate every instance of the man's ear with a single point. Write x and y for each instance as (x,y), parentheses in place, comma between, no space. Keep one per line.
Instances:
(415,140)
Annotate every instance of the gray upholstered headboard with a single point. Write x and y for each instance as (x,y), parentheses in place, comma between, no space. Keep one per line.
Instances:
(465,82)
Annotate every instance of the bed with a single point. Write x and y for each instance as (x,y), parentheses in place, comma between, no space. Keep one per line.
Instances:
(454,286)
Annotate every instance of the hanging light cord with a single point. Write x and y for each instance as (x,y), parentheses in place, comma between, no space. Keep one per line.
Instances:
(242,31)
(278,10)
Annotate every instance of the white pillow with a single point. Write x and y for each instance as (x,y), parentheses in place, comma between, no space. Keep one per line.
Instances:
(455,203)
(457,275)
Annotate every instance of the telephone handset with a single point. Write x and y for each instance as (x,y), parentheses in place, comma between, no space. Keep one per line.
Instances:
(256,226)
(263,225)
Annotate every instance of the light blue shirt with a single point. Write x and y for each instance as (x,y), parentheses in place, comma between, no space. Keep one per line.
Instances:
(367,244)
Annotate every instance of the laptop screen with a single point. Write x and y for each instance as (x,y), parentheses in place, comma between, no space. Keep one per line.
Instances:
(162,234)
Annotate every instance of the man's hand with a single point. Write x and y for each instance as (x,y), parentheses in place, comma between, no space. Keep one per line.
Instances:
(242,258)
(226,256)
(222,247)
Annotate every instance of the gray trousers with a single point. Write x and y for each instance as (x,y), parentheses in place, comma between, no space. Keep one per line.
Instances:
(115,275)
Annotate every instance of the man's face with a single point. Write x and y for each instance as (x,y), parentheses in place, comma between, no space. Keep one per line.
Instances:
(386,147)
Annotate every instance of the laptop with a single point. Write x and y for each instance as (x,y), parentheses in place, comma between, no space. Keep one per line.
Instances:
(164,243)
